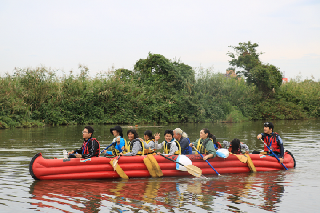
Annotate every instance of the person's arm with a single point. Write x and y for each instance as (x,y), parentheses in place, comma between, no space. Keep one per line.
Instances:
(195,143)
(280,144)
(121,144)
(244,147)
(211,150)
(77,151)
(260,136)
(158,146)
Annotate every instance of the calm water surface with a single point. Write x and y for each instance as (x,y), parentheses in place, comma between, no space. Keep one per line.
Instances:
(296,190)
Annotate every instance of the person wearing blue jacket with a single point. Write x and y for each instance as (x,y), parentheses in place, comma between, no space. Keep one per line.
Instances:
(118,143)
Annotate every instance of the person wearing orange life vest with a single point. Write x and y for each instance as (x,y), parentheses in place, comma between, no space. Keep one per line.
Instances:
(90,147)
(273,141)
(235,146)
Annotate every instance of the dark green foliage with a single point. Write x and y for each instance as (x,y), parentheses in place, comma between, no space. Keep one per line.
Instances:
(246,57)
(266,77)
(158,90)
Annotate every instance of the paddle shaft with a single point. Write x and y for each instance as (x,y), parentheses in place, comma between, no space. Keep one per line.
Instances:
(206,160)
(118,158)
(274,155)
(107,147)
(171,160)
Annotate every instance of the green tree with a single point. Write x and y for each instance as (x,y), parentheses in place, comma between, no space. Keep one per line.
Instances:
(265,76)
(161,72)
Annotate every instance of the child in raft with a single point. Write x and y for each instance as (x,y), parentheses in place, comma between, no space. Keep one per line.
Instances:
(170,145)
(117,143)
(235,146)
(135,145)
(149,141)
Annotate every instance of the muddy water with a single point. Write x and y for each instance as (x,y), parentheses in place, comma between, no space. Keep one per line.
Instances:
(295,190)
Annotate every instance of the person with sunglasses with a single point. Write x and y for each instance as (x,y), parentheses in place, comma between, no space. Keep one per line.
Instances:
(90,147)
(272,140)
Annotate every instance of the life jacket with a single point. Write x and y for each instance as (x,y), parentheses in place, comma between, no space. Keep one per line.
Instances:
(218,145)
(135,141)
(115,151)
(85,149)
(167,147)
(201,147)
(187,150)
(236,152)
(148,151)
(272,143)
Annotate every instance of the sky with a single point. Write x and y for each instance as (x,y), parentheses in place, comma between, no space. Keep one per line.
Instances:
(105,35)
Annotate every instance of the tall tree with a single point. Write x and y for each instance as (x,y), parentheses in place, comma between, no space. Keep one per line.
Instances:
(265,76)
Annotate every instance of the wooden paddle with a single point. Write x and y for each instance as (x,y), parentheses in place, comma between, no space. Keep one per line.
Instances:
(193,170)
(115,162)
(274,154)
(119,170)
(206,160)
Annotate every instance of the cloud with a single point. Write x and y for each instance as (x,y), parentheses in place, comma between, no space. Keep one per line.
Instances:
(100,34)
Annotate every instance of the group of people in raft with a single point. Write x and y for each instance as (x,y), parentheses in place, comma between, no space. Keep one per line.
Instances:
(176,142)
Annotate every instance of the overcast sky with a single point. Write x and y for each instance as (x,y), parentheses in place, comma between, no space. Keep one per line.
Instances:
(100,34)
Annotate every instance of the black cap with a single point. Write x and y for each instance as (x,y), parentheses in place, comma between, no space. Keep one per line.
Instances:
(268,124)
(118,128)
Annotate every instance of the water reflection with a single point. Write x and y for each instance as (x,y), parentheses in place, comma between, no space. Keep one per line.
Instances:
(262,190)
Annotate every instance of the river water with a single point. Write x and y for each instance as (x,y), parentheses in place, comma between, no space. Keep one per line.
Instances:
(295,190)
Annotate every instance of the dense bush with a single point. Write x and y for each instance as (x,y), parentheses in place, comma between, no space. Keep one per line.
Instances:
(158,90)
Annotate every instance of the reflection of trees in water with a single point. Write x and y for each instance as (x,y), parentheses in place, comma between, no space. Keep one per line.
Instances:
(155,195)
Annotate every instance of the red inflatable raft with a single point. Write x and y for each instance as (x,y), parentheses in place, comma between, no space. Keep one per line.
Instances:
(134,166)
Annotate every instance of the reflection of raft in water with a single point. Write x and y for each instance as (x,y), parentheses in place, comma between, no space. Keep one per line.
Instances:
(257,190)
(134,166)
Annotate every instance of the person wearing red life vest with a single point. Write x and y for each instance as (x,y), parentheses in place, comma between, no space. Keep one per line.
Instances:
(273,140)
(90,147)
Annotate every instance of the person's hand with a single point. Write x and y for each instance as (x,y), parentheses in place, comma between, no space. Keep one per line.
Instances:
(69,153)
(206,157)
(190,144)
(158,153)
(281,160)
(157,136)
(141,139)
(121,153)
(105,151)
(259,136)
(124,149)
(78,155)
(247,152)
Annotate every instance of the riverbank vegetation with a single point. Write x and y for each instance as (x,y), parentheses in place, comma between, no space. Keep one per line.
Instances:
(157,90)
